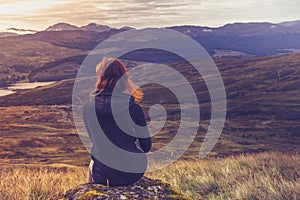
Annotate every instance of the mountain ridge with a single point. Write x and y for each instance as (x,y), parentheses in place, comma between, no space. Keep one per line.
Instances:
(231,40)
(62,26)
(295,25)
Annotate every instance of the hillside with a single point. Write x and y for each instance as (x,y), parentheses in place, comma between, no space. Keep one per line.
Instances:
(262,111)
(262,91)
(19,57)
(23,54)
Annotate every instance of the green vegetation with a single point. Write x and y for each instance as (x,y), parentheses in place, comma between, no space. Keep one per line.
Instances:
(19,57)
(40,135)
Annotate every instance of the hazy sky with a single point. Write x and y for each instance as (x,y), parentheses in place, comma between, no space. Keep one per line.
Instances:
(38,14)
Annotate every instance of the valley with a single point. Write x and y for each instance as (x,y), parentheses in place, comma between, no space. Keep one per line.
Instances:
(263,114)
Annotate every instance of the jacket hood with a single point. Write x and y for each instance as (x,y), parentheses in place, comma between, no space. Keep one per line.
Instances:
(104,102)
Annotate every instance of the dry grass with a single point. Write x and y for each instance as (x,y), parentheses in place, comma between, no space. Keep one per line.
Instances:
(262,176)
(265,176)
(33,182)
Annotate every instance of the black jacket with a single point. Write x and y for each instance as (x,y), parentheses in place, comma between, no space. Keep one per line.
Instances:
(108,123)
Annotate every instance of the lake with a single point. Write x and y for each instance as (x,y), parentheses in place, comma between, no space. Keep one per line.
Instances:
(22,86)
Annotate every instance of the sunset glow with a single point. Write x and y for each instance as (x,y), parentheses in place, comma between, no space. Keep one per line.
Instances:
(38,15)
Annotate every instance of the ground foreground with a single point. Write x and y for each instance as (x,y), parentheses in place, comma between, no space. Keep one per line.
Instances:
(261,176)
(145,188)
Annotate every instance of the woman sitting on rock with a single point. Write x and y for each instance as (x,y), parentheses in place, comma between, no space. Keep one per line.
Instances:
(117,127)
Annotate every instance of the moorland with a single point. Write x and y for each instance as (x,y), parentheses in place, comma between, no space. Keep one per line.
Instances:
(41,154)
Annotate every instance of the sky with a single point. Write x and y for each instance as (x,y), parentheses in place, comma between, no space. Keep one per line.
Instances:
(38,15)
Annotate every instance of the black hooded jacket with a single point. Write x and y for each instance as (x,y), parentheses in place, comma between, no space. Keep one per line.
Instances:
(116,135)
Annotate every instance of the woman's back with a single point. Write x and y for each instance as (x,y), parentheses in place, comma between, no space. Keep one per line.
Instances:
(122,135)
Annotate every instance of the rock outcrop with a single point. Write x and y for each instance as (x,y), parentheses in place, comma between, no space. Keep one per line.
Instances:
(145,188)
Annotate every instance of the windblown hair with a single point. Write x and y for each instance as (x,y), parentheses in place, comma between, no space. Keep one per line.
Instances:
(112,75)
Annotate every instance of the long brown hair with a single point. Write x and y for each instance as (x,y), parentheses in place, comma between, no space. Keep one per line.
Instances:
(110,71)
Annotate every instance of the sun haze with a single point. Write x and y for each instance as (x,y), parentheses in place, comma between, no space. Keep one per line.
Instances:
(38,15)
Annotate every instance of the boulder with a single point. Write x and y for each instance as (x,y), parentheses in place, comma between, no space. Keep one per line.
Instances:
(145,188)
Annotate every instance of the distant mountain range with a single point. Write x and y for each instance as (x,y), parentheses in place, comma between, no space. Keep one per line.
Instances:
(16,31)
(59,27)
(231,40)
(246,39)
(68,27)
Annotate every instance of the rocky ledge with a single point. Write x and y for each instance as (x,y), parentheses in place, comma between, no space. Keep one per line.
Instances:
(145,188)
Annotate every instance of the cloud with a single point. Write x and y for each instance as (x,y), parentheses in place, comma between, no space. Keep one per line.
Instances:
(35,14)
(138,13)
(11,1)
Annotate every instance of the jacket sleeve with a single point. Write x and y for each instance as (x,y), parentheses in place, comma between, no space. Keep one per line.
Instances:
(85,111)
(88,121)
(140,128)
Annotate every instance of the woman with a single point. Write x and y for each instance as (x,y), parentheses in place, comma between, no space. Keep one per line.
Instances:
(110,85)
